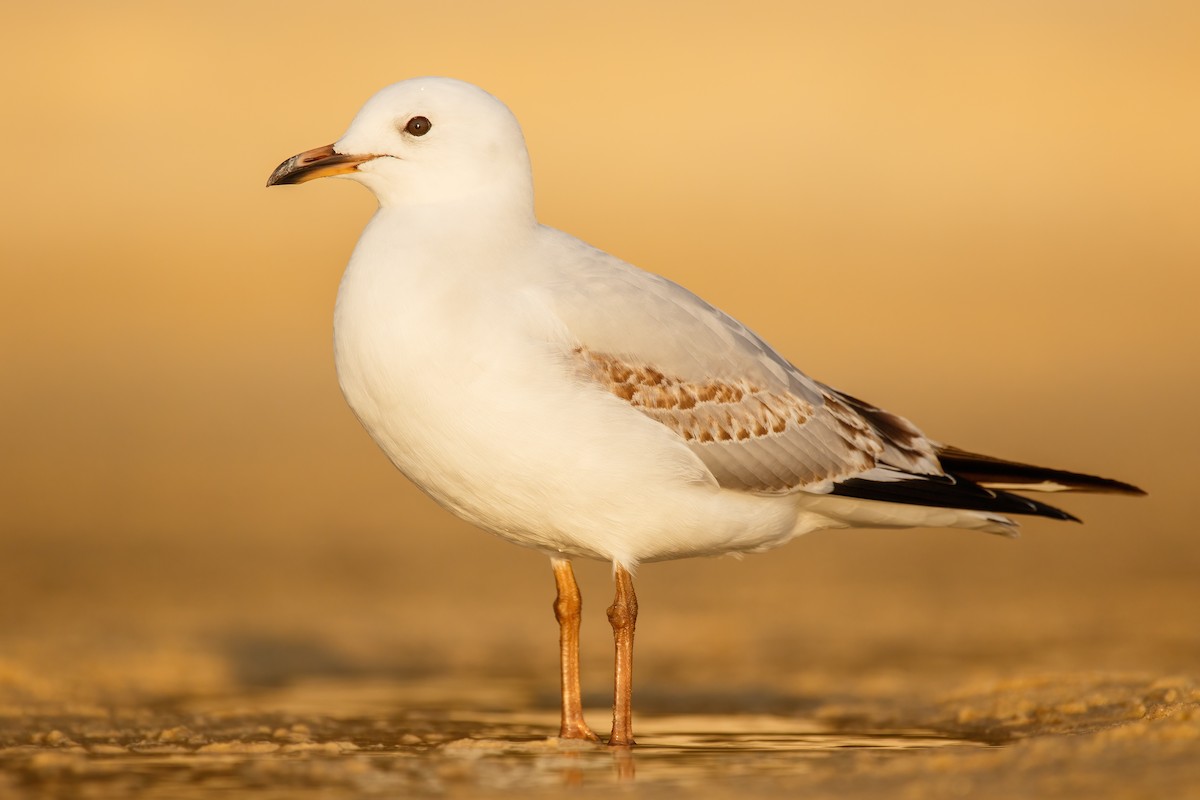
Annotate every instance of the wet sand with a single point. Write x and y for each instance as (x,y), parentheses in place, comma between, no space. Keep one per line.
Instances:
(1044,736)
(179,669)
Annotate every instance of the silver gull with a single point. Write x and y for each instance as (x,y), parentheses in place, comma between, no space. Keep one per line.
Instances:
(567,401)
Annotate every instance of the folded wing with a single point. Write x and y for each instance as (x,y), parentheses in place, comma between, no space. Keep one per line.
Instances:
(758,423)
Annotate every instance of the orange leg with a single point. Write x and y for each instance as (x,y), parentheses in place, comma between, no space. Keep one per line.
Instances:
(566,610)
(622,614)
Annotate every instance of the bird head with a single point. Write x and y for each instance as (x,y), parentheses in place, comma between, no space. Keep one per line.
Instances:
(425,141)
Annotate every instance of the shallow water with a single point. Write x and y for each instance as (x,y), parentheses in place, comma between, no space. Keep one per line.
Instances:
(183,674)
(337,738)
(434,753)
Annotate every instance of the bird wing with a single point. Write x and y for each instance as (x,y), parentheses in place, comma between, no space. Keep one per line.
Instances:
(758,423)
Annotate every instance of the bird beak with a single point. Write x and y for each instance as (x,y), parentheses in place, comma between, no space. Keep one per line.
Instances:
(320,162)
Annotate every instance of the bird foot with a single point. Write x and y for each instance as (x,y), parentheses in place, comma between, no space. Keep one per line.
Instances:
(578,731)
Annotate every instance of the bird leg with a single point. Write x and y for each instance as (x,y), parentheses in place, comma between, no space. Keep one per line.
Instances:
(566,610)
(622,615)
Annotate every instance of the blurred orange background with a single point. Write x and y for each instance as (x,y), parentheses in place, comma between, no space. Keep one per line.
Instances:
(985,217)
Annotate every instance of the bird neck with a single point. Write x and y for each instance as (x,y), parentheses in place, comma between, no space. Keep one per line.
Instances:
(477,216)
(462,231)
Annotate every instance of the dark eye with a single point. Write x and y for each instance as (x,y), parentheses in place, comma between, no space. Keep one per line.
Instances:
(418,126)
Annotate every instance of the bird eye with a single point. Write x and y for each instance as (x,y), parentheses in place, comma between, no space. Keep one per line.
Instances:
(417,126)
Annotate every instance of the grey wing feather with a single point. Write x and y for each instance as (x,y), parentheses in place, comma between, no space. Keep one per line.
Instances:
(758,423)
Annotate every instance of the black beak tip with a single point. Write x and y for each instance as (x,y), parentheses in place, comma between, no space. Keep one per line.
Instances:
(283,174)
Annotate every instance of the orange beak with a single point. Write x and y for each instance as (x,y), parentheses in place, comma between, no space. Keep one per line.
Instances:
(320,162)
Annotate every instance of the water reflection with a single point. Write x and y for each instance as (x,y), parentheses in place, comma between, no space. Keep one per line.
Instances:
(428,753)
(688,752)
(693,751)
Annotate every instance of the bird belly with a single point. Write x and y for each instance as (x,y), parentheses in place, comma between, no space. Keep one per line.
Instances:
(493,423)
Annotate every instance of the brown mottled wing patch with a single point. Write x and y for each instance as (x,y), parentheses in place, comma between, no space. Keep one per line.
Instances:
(904,445)
(751,437)
(713,411)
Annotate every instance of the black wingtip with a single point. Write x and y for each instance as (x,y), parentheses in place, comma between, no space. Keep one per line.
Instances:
(1067,517)
(947,491)
(984,470)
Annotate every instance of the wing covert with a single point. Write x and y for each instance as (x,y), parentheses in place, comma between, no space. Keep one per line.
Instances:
(758,423)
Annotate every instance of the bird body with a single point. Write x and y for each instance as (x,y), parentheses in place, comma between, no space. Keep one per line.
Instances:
(469,382)
(565,400)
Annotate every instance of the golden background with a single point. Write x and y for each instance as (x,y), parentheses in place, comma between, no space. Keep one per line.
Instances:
(983,216)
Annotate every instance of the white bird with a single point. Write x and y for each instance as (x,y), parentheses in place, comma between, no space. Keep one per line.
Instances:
(567,401)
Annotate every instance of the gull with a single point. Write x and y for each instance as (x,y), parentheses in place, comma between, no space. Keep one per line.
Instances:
(562,399)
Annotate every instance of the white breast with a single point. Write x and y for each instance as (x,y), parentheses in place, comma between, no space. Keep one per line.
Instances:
(466,382)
